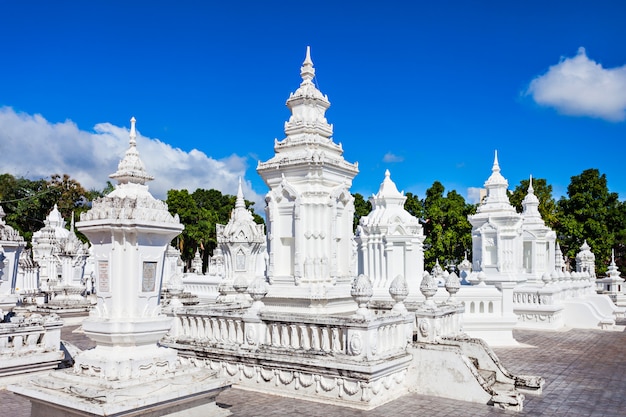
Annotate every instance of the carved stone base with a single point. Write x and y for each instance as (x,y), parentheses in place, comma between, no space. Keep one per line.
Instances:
(349,384)
(189,392)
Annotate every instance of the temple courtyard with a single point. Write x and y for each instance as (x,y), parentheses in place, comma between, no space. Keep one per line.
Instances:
(585,373)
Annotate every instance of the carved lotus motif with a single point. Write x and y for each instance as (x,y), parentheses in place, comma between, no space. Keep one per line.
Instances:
(453,284)
(428,287)
(258,289)
(399,289)
(362,290)
(240,284)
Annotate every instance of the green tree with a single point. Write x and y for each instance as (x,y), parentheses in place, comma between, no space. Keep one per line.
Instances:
(414,206)
(543,191)
(28,202)
(590,213)
(362,208)
(447,230)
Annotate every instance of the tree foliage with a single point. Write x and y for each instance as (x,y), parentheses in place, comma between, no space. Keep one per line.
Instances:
(28,202)
(447,229)
(592,213)
(362,207)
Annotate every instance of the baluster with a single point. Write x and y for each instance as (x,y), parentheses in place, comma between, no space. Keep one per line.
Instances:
(325,345)
(193,327)
(215,334)
(239,330)
(275,335)
(284,335)
(18,342)
(315,338)
(335,344)
(304,334)
(232,336)
(295,340)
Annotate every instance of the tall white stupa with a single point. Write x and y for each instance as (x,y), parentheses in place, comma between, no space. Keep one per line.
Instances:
(309,209)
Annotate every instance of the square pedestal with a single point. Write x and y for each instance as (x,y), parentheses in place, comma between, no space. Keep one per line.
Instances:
(190,393)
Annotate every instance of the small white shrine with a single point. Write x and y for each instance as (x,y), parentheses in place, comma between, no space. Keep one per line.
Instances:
(61,258)
(386,239)
(128,372)
(613,284)
(28,342)
(242,243)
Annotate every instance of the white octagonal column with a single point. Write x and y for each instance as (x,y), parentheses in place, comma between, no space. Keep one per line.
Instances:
(130,231)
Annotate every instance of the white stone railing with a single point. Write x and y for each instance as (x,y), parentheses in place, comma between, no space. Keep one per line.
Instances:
(381,336)
(29,344)
(33,334)
(305,336)
(479,301)
(213,329)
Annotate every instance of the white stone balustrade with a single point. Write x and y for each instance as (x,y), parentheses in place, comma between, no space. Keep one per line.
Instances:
(380,337)
(30,344)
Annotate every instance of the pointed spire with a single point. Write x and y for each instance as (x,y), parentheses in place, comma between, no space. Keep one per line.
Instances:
(131,168)
(613,271)
(240,202)
(531,190)
(72,223)
(496,166)
(133,133)
(496,185)
(307,72)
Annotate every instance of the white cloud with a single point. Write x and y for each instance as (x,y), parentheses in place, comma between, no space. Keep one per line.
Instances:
(579,86)
(32,147)
(390,158)
(474,195)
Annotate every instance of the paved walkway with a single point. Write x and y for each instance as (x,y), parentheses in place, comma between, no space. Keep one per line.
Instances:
(585,372)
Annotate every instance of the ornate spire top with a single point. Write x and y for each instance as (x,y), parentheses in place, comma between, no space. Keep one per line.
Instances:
(613,270)
(388,194)
(496,166)
(496,185)
(496,179)
(131,169)
(530,205)
(133,133)
(240,203)
(307,72)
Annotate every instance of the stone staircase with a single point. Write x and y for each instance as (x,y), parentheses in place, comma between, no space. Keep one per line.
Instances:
(472,369)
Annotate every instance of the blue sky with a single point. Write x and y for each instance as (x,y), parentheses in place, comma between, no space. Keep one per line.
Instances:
(428,90)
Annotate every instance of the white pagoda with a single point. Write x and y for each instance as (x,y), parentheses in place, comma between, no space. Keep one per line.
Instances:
(309,209)
(390,243)
(242,243)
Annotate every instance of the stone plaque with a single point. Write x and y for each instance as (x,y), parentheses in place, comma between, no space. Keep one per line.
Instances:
(148,281)
(104,284)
